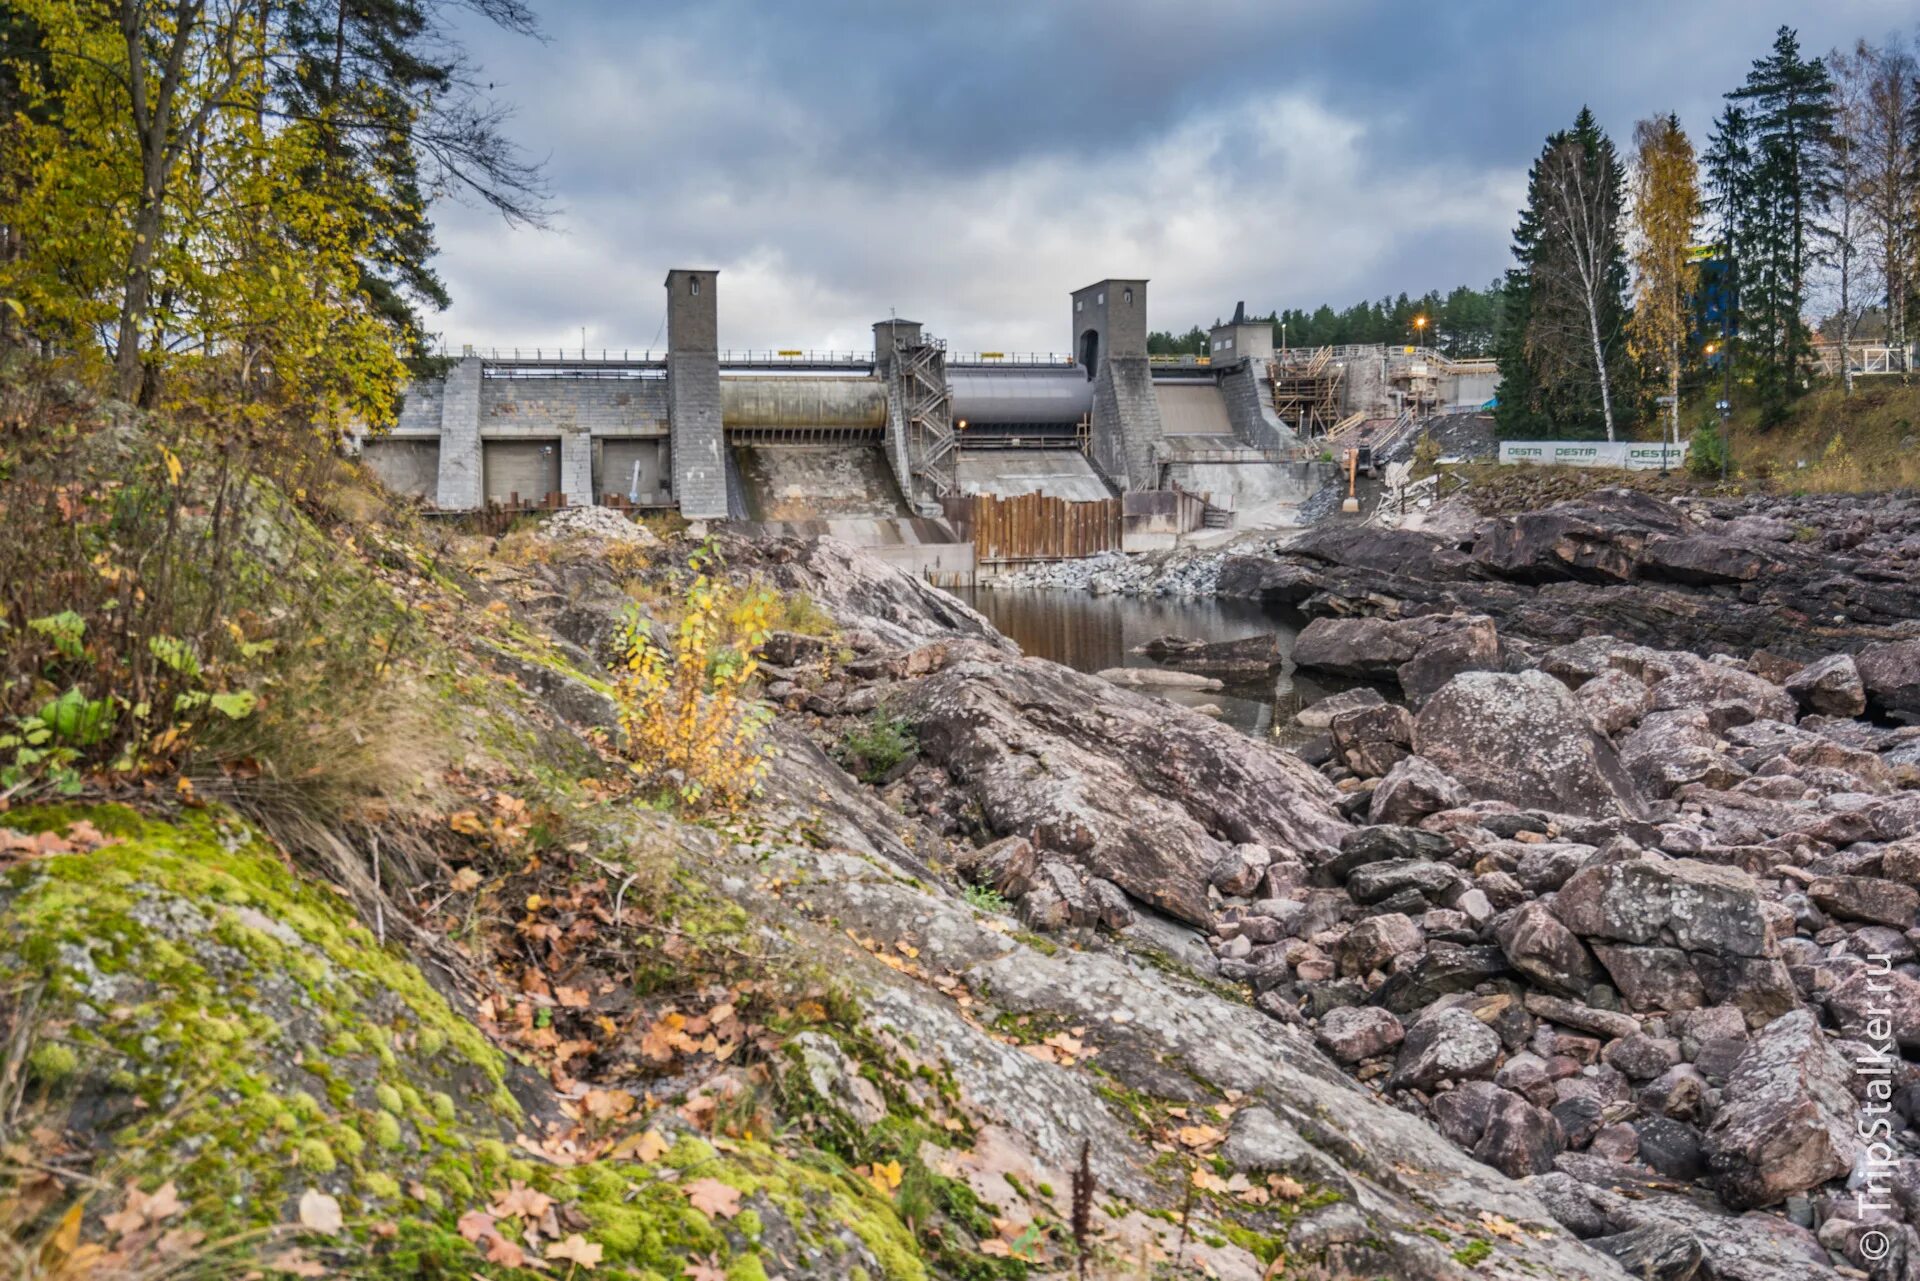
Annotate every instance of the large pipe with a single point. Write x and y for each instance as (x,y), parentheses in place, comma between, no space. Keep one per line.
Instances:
(803,402)
(994,396)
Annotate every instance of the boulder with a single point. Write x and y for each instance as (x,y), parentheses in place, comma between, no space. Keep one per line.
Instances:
(1652,978)
(1472,646)
(1414,788)
(1449,1044)
(1830,686)
(1523,739)
(1248,654)
(1699,907)
(1146,795)
(1356,1032)
(1320,715)
(1372,740)
(1787,1118)
(1374,942)
(1890,675)
(1866,898)
(1364,648)
(1699,682)
(1005,866)
(1546,951)
(1614,701)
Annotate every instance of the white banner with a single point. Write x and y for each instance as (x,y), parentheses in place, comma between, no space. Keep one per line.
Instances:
(1631,455)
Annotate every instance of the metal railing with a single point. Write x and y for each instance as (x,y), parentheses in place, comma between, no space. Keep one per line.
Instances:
(1047,358)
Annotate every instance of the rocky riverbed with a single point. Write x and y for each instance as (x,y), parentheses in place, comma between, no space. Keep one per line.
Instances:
(1620,895)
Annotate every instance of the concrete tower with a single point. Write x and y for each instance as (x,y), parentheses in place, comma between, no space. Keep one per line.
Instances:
(698,442)
(1110,345)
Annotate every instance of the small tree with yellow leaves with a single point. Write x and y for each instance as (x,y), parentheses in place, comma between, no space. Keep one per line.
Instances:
(688,723)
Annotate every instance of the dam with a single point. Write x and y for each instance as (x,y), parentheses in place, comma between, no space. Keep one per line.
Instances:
(893,447)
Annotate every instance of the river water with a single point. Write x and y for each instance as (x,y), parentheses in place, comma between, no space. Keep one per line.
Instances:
(1091,633)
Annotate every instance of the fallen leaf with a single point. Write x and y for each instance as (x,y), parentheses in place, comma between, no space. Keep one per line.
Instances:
(466,881)
(712,1197)
(504,1252)
(294,1263)
(520,1201)
(578,1249)
(647,1147)
(320,1212)
(475,1224)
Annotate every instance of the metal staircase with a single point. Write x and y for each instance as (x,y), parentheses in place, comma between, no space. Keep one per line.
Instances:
(932,447)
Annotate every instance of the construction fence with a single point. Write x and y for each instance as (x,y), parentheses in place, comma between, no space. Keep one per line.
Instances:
(1630,455)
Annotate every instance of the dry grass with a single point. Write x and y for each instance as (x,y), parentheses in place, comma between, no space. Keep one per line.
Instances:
(1834,443)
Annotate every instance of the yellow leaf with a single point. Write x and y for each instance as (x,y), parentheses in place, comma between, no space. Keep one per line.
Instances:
(173,465)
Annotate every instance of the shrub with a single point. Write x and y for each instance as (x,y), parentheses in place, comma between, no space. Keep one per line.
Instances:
(687,722)
(871,750)
(1709,451)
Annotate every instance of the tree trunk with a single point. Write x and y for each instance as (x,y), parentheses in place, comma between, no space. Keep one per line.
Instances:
(1600,363)
(139,283)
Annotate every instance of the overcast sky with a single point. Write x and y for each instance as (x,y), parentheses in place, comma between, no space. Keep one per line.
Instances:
(969,164)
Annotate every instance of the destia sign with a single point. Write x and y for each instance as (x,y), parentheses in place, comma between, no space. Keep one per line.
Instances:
(1631,455)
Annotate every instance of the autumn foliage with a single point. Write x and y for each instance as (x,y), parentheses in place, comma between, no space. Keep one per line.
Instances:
(688,722)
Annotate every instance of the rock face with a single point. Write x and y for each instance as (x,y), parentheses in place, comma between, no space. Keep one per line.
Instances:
(1788,1120)
(1523,739)
(1135,791)
(1608,887)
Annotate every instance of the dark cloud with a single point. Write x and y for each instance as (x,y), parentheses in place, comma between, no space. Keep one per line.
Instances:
(971,163)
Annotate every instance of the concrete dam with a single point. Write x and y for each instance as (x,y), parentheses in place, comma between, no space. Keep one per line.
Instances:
(885,447)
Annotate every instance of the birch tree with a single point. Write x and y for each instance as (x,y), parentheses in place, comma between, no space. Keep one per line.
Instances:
(1579,269)
(1666,210)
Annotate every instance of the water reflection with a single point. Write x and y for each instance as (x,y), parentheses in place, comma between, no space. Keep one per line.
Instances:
(1090,633)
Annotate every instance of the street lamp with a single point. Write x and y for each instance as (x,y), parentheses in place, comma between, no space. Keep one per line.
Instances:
(1419,329)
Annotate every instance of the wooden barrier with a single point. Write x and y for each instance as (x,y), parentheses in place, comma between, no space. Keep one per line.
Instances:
(1037,527)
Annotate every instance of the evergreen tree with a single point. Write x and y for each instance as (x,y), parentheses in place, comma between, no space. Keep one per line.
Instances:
(1788,180)
(402,118)
(1564,362)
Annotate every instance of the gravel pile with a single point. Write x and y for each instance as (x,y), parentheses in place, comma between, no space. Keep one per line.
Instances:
(602,523)
(1181,573)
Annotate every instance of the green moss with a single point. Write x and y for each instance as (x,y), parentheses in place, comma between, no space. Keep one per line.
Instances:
(386,1130)
(443,1109)
(230,973)
(388,1097)
(314,1156)
(1472,1253)
(52,1063)
(381,1186)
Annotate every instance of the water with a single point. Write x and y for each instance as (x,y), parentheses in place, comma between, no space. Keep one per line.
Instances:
(1091,633)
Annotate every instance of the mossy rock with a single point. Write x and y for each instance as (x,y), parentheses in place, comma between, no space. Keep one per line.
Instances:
(226,1026)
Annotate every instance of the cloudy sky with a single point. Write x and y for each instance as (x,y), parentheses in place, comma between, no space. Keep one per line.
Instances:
(969,164)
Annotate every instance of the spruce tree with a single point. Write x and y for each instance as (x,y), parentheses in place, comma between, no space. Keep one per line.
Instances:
(402,120)
(1564,362)
(1790,104)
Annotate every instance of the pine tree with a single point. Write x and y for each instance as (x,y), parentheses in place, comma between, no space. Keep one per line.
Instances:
(1788,182)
